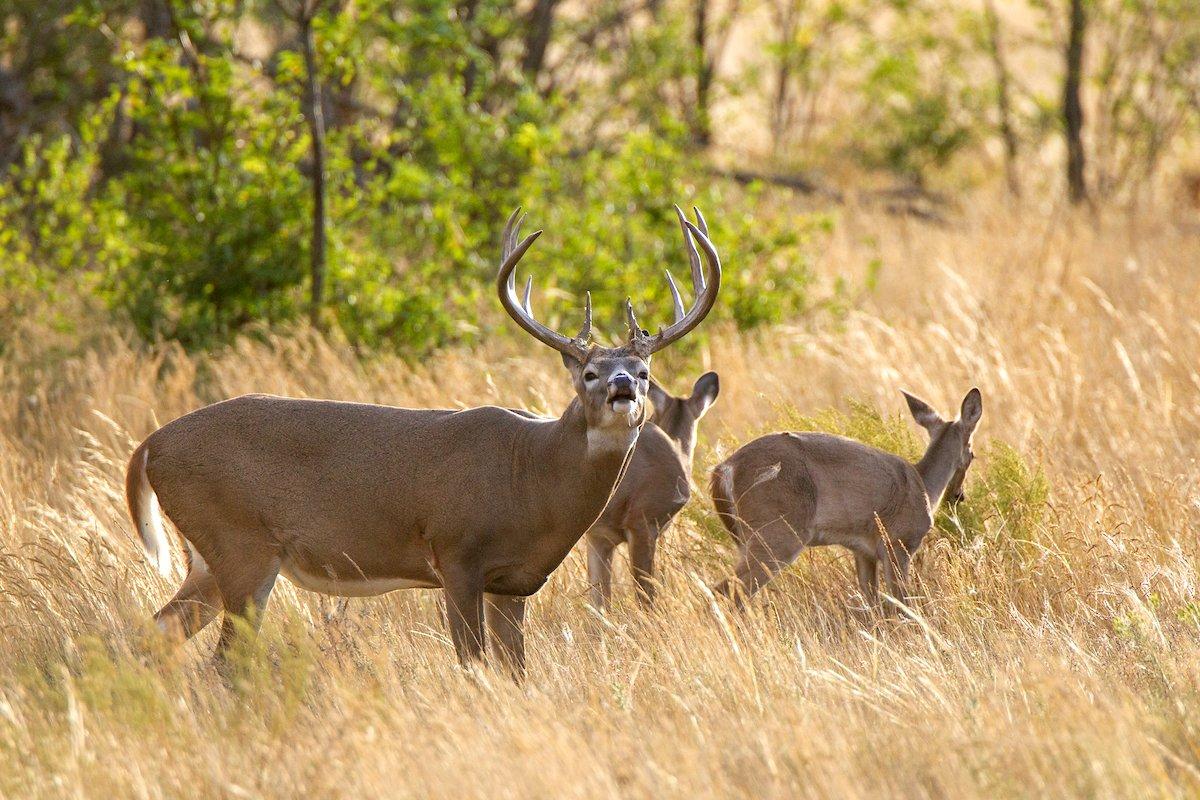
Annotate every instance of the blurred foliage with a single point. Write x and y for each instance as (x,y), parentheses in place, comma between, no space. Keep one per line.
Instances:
(157,164)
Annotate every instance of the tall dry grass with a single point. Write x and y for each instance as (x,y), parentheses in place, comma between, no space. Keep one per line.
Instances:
(1056,652)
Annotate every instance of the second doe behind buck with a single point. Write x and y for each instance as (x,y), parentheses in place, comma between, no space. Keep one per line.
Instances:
(787,491)
(655,487)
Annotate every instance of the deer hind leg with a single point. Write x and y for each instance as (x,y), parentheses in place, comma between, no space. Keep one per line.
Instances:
(195,604)
(768,550)
(505,618)
(245,582)
(600,547)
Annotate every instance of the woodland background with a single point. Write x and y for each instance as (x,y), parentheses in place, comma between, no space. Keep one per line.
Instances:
(919,194)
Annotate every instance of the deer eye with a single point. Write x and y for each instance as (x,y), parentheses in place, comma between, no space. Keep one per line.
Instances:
(644,375)
(589,376)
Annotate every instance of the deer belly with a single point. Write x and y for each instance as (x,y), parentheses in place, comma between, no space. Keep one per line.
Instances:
(346,585)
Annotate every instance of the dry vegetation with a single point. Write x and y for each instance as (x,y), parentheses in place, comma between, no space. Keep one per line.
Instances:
(1057,650)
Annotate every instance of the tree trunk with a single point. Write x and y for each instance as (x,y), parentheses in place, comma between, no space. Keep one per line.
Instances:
(1003,98)
(1072,107)
(537,38)
(701,119)
(316,128)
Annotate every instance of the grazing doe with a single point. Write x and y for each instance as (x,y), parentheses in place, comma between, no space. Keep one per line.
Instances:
(787,491)
(655,487)
(353,499)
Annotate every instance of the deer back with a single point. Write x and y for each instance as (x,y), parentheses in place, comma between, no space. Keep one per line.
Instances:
(829,486)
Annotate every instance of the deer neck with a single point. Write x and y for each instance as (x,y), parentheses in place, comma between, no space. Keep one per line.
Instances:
(937,466)
(594,459)
(686,450)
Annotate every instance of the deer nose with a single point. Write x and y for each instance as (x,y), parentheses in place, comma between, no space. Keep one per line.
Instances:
(620,384)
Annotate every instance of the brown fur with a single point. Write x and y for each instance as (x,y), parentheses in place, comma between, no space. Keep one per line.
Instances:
(654,489)
(787,491)
(356,499)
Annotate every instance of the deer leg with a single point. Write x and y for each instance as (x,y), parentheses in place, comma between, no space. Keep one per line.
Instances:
(767,551)
(244,593)
(464,614)
(896,559)
(868,579)
(505,617)
(643,540)
(600,557)
(195,605)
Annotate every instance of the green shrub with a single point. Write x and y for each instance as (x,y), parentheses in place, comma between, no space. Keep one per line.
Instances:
(1006,498)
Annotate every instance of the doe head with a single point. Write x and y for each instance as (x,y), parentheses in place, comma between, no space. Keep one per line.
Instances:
(680,416)
(957,433)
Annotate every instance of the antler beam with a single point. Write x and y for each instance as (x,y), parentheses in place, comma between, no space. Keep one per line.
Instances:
(520,309)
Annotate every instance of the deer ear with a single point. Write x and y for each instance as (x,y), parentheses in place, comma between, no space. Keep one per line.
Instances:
(704,393)
(658,396)
(972,410)
(922,412)
(571,362)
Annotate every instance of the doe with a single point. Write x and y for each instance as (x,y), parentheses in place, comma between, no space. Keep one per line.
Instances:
(655,487)
(787,491)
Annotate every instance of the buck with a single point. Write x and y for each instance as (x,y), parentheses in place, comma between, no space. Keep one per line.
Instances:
(354,499)
(654,489)
(787,491)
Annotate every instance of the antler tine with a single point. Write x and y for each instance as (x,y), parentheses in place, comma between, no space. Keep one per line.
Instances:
(635,330)
(585,332)
(511,227)
(511,253)
(675,298)
(700,223)
(693,256)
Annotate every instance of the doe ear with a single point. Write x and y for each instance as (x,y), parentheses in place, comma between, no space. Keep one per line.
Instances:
(704,393)
(972,409)
(659,396)
(922,412)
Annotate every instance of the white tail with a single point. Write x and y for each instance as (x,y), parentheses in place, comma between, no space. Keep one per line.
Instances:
(146,513)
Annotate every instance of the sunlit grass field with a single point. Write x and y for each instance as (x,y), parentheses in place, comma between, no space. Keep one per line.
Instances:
(1056,645)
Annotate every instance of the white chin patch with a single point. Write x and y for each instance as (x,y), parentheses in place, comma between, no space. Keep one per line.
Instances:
(623,407)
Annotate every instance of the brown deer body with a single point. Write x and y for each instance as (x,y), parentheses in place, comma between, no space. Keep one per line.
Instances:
(356,499)
(655,487)
(787,491)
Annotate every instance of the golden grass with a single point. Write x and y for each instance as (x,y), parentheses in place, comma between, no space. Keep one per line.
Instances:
(1057,654)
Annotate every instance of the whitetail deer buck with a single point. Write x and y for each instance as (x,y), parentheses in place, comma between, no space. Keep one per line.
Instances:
(787,491)
(355,499)
(654,489)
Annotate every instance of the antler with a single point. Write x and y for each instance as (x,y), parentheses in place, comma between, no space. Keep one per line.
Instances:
(706,293)
(520,310)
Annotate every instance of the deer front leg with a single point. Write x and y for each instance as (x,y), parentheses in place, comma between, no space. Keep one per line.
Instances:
(505,617)
(643,540)
(600,548)
(896,559)
(868,579)
(464,614)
